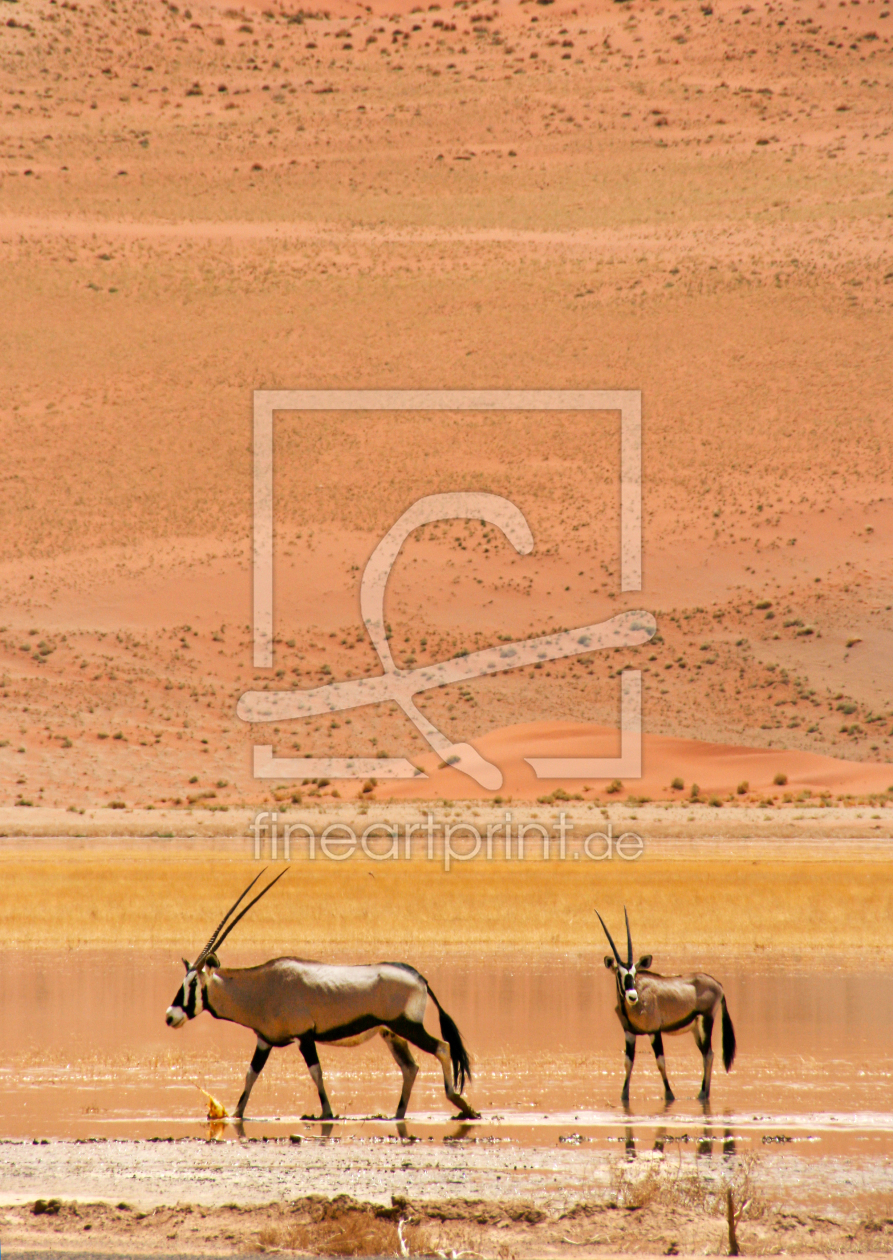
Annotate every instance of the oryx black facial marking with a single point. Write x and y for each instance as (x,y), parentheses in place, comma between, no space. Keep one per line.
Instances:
(188,1001)
(291,999)
(649,1004)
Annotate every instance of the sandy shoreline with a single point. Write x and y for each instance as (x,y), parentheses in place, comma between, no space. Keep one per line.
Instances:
(867,820)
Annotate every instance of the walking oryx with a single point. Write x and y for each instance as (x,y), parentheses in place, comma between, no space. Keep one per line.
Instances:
(289,999)
(649,1005)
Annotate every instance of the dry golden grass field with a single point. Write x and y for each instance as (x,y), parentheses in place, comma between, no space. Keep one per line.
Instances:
(68,901)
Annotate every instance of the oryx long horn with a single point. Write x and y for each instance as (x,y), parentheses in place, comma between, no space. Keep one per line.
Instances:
(629,940)
(213,940)
(610,941)
(242,913)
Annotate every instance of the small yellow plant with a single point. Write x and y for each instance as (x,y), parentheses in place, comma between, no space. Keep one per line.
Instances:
(216,1110)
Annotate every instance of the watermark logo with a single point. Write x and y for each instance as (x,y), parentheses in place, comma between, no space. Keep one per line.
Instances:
(448,842)
(630,629)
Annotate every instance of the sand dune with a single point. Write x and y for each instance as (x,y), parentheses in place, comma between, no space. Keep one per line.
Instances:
(716,769)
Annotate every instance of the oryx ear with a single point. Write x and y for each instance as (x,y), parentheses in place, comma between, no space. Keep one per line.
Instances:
(609,962)
(644,962)
(185,964)
(212,961)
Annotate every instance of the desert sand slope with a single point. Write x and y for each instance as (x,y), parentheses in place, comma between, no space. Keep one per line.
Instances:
(196,202)
(716,769)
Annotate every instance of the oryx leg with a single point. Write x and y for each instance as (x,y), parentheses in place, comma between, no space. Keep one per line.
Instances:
(703,1030)
(261,1054)
(629,1059)
(311,1058)
(407,1065)
(657,1044)
(417,1035)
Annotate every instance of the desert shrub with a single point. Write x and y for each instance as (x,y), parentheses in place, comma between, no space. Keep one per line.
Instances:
(345,1231)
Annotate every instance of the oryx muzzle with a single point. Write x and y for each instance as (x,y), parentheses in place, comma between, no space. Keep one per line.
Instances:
(649,1005)
(290,999)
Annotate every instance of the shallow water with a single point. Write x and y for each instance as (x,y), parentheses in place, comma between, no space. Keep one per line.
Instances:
(86,1052)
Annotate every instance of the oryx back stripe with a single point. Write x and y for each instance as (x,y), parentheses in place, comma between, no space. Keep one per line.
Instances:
(351,1029)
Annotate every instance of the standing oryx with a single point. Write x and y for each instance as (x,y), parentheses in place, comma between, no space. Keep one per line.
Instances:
(649,1005)
(289,999)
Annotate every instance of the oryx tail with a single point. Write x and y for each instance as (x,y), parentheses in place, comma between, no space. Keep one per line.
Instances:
(728,1037)
(453,1038)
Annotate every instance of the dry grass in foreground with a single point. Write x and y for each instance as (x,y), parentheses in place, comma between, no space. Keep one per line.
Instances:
(657,1214)
(77,900)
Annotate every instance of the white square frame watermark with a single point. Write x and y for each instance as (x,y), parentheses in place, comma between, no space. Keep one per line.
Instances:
(627,402)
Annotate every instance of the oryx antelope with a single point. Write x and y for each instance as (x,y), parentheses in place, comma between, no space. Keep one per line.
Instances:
(649,1005)
(290,999)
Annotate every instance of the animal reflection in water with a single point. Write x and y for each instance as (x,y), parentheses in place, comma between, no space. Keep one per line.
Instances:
(703,1145)
(649,1005)
(290,999)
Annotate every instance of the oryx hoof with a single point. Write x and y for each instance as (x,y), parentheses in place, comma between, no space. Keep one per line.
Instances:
(702,1097)
(669,1096)
(469,1113)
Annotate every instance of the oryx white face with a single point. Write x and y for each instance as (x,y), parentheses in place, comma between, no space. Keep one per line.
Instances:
(626,979)
(627,988)
(188,1000)
(625,973)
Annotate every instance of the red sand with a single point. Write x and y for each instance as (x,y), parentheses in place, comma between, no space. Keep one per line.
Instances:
(717,769)
(690,199)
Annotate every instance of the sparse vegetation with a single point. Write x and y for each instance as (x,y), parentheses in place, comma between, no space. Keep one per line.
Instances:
(346,1229)
(170,668)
